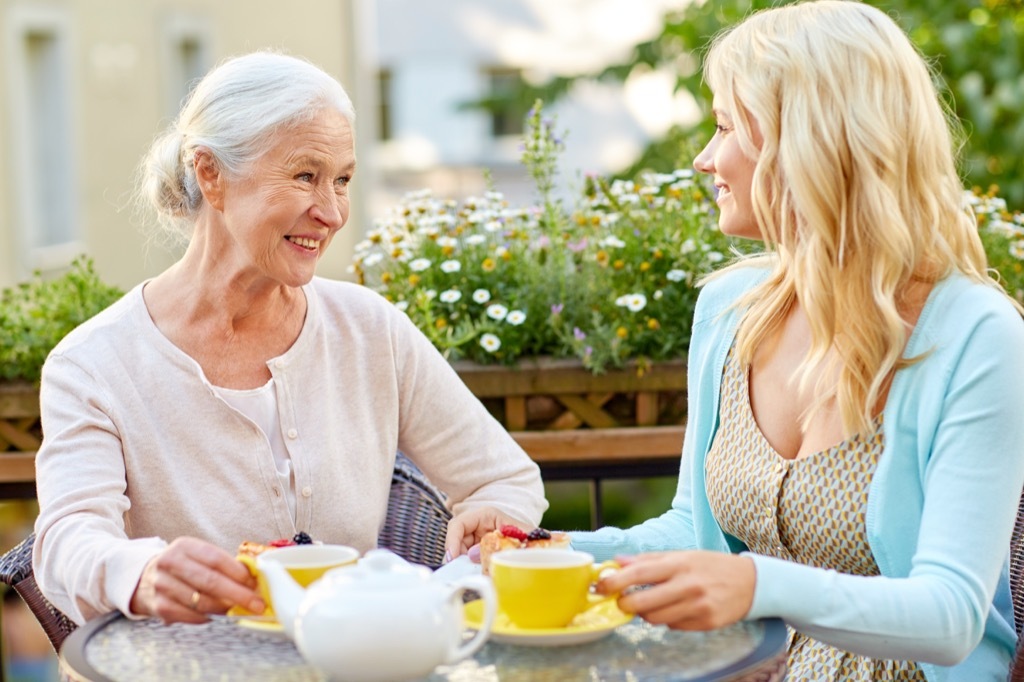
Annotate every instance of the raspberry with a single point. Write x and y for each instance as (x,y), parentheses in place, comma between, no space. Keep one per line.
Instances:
(511,531)
(283,542)
(538,534)
(302,538)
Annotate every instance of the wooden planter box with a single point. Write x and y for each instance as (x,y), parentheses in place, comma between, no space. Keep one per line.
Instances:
(574,424)
(577,424)
(20,436)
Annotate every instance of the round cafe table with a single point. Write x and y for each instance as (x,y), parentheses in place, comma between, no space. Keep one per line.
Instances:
(113,648)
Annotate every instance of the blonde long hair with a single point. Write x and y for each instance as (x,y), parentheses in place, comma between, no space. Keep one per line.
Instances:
(855,188)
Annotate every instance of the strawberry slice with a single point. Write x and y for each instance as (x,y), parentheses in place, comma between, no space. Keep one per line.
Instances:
(511,531)
(283,542)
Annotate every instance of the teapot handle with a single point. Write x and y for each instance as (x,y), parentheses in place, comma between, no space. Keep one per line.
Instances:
(483,586)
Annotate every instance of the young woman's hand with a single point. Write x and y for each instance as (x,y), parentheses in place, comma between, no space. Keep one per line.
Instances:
(689,590)
(190,578)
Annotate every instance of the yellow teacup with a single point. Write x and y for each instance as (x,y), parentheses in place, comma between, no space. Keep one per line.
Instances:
(546,588)
(305,563)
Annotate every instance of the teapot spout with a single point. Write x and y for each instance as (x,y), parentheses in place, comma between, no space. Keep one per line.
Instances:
(285,594)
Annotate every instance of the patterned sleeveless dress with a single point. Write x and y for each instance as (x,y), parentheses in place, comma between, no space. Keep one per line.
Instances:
(809,510)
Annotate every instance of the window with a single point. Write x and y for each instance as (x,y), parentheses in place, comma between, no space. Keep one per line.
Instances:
(187,59)
(384,113)
(509,113)
(44,159)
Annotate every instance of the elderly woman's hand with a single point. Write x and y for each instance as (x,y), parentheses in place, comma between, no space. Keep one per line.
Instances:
(689,590)
(466,529)
(190,578)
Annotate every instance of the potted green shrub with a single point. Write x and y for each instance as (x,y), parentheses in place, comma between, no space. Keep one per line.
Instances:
(34,316)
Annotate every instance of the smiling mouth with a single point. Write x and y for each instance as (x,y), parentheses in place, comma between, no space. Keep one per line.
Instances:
(305,242)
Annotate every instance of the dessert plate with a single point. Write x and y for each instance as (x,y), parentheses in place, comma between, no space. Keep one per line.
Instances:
(596,622)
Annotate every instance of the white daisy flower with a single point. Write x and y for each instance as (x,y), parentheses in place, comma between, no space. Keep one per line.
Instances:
(515,317)
(402,305)
(676,275)
(445,240)
(451,266)
(715,257)
(689,246)
(490,342)
(1017,249)
(635,302)
(419,265)
(481,296)
(450,296)
(613,242)
(475,239)
(497,311)
(373,259)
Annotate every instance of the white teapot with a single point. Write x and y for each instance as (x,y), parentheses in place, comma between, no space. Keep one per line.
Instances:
(381,619)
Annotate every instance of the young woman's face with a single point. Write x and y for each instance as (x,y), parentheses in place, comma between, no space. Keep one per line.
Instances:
(284,214)
(733,172)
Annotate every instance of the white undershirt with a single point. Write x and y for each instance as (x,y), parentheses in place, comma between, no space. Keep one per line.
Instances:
(260,405)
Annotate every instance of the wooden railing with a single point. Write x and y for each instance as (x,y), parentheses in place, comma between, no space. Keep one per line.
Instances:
(582,426)
(20,437)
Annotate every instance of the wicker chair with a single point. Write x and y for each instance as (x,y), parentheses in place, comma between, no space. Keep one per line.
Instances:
(415,527)
(16,571)
(1017,589)
(417,518)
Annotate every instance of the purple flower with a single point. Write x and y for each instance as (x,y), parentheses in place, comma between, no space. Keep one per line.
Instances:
(576,247)
(556,309)
(578,333)
(587,352)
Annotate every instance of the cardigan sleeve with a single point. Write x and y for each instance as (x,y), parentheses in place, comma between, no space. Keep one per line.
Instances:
(82,558)
(448,432)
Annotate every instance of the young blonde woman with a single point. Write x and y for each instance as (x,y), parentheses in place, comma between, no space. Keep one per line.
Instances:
(855,448)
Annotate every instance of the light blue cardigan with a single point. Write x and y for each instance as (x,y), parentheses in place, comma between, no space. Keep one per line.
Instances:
(941,506)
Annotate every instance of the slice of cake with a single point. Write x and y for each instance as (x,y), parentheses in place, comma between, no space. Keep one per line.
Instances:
(513,537)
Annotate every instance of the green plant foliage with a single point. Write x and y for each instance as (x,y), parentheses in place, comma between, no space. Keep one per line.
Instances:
(1002,233)
(35,315)
(608,280)
(976,47)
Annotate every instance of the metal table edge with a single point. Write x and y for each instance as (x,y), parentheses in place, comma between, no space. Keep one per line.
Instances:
(773,643)
(73,662)
(77,668)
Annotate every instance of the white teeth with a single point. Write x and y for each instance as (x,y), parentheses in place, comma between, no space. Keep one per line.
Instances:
(304,242)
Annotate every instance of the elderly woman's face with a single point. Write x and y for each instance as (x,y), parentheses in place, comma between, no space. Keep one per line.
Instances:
(733,173)
(285,213)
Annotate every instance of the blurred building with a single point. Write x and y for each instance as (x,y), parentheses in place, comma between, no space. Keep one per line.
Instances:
(435,58)
(87,84)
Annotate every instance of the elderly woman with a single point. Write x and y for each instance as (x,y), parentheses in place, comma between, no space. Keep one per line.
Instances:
(854,452)
(236,396)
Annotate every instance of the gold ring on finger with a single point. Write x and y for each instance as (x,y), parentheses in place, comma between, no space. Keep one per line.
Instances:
(193,601)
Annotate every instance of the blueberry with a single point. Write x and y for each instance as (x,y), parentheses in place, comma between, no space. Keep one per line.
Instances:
(302,538)
(538,534)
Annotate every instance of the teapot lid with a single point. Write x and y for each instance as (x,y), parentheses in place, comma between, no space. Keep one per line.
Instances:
(380,569)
